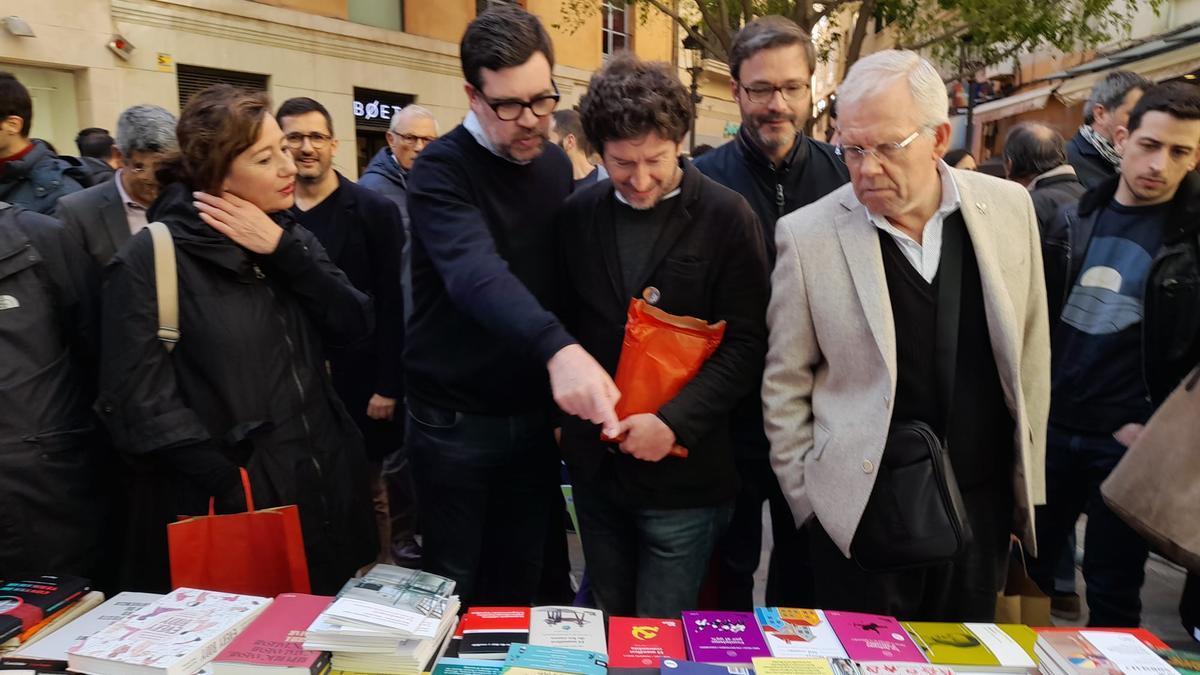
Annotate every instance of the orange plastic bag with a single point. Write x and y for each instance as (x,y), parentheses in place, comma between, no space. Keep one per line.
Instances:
(661,353)
(254,553)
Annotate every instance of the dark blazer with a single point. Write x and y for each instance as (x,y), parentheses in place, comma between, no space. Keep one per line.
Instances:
(365,243)
(95,217)
(709,262)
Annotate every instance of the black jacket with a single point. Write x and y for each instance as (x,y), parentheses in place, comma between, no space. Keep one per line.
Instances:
(1053,193)
(245,385)
(1091,167)
(51,459)
(1171,305)
(710,263)
(810,172)
(98,171)
(1171,325)
(365,242)
(38,179)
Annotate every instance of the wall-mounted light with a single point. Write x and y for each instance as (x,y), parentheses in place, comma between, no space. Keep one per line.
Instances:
(18,26)
(121,47)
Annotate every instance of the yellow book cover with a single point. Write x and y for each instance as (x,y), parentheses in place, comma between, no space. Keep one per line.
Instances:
(950,644)
(772,666)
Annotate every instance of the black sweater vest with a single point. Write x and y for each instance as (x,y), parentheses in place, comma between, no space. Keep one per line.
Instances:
(980,432)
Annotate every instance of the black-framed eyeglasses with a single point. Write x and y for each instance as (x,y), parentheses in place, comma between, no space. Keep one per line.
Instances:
(412,139)
(317,140)
(763,93)
(852,154)
(509,110)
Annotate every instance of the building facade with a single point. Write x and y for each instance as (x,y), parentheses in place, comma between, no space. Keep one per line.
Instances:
(363,59)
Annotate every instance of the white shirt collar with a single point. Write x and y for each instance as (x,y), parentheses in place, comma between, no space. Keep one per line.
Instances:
(621,198)
(126,200)
(471,123)
(927,255)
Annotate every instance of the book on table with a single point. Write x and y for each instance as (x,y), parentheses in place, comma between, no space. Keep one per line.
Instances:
(804,666)
(728,638)
(568,627)
(25,602)
(644,643)
(873,637)
(538,660)
(798,633)
(1092,652)
(273,644)
(176,635)
(488,632)
(976,647)
(50,652)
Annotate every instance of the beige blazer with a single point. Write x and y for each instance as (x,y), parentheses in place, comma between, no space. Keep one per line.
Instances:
(831,360)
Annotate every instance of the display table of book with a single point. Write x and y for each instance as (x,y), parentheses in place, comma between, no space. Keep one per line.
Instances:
(396,621)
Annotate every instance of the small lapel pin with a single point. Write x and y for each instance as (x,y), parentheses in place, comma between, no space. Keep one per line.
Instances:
(651,295)
(981,206)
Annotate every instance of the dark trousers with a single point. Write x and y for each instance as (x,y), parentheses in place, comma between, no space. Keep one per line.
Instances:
(485,485)
(645,562)
(1114,555)
(962,590)
(402,507)
(789,576)
(1189,606)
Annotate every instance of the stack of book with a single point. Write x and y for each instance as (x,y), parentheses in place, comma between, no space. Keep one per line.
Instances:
(391,621)
(37,606)
(1108,652)
(177,634)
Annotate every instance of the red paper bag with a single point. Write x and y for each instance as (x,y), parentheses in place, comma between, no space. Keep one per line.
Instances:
(254,553)
(661,353)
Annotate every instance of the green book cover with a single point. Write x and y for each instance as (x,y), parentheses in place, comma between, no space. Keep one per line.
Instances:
(949,644)
(1187,663)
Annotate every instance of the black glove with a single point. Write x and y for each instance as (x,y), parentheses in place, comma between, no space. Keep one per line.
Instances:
(210,471)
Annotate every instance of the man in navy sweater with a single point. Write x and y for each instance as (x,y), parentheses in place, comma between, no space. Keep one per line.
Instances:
(483,336)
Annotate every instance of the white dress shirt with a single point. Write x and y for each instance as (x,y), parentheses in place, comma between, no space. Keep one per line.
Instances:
(135,213)
(926,255)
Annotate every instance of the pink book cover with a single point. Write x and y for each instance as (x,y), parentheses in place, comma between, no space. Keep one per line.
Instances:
(871,637)
(276,637)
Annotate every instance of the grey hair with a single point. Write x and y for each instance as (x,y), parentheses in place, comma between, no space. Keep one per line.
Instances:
(146,128)
(871,74)
(1111,91)
(411,111)
(1032,149)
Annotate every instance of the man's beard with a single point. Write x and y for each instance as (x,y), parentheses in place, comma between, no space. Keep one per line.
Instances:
(506,150)
(774,141)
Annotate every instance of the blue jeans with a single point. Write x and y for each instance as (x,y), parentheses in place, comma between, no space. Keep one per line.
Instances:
(1114,555)
(645,562)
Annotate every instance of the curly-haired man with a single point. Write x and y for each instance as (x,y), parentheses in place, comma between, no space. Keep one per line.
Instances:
(682,242)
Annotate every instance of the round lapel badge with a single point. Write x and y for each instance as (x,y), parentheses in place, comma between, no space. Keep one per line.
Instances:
(651,295)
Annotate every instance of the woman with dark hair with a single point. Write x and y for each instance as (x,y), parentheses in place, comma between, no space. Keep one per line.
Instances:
(245,385)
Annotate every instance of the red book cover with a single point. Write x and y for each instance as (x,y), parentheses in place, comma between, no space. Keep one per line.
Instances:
(276,637)
(487,632)
(643,643)
(1149,639)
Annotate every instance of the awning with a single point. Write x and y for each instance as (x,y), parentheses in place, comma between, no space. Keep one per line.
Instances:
(1034,99)
(1162,58)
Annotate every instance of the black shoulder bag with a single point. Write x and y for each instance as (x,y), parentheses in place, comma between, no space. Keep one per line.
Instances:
(915,515)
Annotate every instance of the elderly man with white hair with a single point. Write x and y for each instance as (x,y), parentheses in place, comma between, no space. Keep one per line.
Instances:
(906,388)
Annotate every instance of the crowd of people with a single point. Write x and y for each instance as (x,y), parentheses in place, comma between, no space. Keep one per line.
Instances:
(919,363)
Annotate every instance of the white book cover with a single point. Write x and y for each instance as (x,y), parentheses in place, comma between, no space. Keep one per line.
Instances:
(1128,653)
(568,627)
(798,633)
(178,634)
(56,645)
(1007,651)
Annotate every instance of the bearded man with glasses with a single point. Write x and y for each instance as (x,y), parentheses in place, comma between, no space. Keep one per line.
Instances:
(863,344)
(485,351)
(778,170)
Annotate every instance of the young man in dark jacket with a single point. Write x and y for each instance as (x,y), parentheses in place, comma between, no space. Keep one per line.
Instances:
(363,235)
(1115,294)
(778,170)
(482,337)
(53,501)
(658,230)
(31,175)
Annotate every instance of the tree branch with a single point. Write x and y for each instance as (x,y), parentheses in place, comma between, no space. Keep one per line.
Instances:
(866,14)
(953,32)
(687,28)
